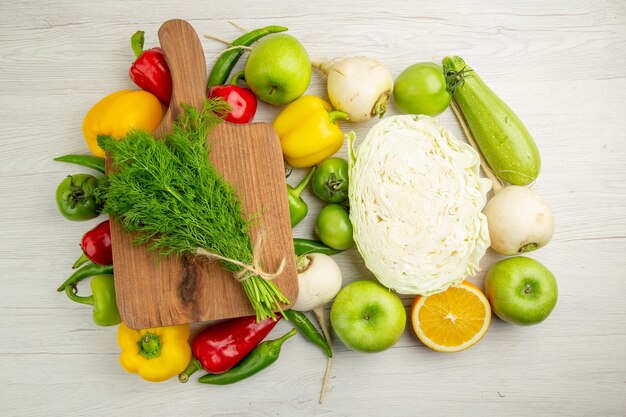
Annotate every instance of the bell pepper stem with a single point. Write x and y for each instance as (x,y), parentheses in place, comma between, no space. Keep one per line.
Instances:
(305,181)
(72,291)
(81,261)
(150,345)
(238,77)
(337,115)
(136,42)
(193,366)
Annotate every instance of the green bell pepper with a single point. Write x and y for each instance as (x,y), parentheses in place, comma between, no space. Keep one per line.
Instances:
(298,208)
(102,298)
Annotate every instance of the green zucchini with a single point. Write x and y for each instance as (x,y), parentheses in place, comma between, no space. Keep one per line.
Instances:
(501,136)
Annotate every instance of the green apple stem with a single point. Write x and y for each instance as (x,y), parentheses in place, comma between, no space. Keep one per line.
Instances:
(322,319)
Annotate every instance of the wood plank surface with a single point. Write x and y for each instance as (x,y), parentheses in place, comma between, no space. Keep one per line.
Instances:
(559,65)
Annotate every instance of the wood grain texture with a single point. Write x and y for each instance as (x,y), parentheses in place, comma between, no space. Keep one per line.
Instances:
(155,292)
(559,65)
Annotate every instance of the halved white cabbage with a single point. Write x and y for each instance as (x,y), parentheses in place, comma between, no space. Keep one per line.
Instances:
(415,205)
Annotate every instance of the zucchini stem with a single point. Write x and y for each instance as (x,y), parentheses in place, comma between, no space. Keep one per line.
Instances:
(497,184)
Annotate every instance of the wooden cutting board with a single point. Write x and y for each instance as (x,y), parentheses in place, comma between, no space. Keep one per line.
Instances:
(152,292)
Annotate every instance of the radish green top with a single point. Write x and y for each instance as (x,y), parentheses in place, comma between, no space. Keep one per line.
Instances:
(415,205)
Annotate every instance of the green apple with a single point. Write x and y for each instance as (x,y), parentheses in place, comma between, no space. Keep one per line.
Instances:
(521,290)
(368,317)
(278,69)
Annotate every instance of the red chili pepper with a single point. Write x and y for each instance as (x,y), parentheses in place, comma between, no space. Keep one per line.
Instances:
(96,245)
(242,101)
(150,71)
(221,346)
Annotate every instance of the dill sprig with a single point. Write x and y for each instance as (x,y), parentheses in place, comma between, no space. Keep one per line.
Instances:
(170,194)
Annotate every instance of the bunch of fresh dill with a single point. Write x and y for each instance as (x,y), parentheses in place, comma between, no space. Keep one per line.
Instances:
(170,194)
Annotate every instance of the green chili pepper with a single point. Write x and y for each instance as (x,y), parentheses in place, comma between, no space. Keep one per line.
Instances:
(262,356)
(86,271)
(308,329)
(305,246)
(102,298)
(89,161)
(227,60)
(298,208)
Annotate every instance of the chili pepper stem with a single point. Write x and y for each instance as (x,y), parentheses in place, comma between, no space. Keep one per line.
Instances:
(72,291)
(193,366)
(237,77)
(286,336)
(305,181)
(80,261)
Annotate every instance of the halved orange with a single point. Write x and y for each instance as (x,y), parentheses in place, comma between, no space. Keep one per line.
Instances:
(452,320)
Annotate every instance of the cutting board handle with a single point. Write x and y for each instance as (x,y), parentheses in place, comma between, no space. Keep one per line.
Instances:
(185,58)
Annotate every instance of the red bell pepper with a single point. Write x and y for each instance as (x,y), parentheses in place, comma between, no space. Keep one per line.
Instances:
(150,71)
(96,245)
(221,346)
(242,101)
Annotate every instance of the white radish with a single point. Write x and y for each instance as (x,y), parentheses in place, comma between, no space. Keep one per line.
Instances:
(319,280)
(519,221)
(359,86)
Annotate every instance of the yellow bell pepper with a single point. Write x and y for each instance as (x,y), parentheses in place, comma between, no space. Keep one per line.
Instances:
(116,113)
(308,131)
(155,354)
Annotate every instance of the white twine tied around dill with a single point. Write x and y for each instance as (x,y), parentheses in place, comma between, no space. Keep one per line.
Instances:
(248,271)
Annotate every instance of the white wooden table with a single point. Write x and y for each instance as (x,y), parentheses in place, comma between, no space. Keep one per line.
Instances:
(559,64)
